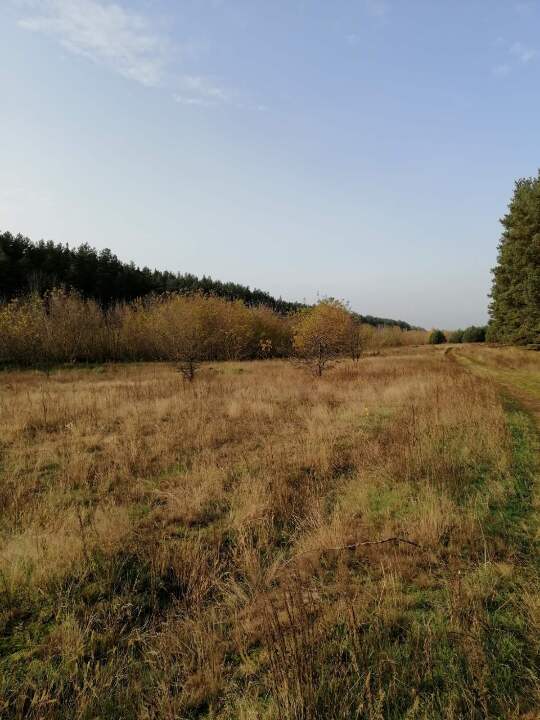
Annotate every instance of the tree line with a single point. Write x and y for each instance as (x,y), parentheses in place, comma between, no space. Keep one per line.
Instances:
(27,266)
(40,267)
(61,326)
(472,334)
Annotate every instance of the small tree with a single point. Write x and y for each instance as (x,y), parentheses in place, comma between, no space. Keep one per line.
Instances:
(182,332)
(359,337)
(456,336)
(321,334)
(270,333)
(74,328)
(22,339)
(355,339)
(437,337)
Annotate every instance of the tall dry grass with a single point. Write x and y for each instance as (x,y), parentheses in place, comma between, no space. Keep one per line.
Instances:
(260,544)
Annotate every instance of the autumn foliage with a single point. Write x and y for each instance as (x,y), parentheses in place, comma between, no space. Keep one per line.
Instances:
(323,333)
(63,327)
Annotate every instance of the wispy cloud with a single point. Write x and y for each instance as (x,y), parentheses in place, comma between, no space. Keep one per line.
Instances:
(202,91)
(115,36)
(516,54)
(105,32)
(523,53)
(205,92)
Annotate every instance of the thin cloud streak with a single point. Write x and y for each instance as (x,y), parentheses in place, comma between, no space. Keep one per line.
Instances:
(201,91)
(123,41)
(518,54)
(105,33)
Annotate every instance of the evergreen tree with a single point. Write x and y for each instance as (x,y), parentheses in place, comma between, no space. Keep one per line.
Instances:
(515,294)
(40,267)
(456,336)
(437,337)
(474,334)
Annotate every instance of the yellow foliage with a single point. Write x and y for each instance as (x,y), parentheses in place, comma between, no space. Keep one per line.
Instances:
(64,327)
(322,333)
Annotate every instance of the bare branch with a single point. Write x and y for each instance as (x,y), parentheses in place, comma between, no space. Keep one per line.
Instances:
(352,546)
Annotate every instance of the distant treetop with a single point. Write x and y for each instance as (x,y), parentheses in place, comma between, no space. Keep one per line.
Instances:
(27,266)
(378,322)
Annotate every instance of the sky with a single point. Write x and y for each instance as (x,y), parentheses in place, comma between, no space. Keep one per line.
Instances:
(359,149)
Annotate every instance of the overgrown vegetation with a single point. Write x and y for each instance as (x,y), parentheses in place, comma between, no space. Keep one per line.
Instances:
(63,327)
(267,544)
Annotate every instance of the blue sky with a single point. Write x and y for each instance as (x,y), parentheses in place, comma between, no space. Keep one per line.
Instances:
(363,149)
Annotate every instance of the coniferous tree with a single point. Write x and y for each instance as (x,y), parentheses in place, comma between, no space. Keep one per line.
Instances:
(437,337)
(456,336)
(40,267)
(515,294)
(474,334)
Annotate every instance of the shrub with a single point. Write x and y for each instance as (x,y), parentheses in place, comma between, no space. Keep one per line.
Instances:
(456,336)
(62,326)
(437,337)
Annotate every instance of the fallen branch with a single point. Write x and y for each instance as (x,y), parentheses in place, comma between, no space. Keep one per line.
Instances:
(353,546)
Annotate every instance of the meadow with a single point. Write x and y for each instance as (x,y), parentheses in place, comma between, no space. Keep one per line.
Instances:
(264,543)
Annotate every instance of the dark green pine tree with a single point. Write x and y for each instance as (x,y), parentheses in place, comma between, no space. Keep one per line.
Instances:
(515,294)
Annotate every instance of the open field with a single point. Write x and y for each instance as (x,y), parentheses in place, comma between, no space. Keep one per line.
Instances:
(265,544)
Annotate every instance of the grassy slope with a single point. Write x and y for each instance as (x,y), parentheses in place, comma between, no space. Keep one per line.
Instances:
(173,552)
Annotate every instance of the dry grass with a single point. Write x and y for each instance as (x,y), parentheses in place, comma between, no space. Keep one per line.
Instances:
(177,551)
(514,367)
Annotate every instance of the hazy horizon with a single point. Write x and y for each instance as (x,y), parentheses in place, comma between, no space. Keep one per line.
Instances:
(363,149)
